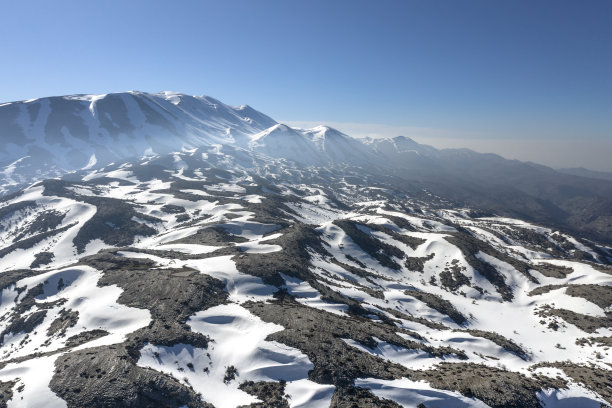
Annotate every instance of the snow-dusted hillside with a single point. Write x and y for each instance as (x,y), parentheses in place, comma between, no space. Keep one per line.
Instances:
(59,134)
(222,277)
(49,137)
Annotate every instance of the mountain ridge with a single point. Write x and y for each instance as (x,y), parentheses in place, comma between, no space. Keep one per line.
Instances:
(50,137)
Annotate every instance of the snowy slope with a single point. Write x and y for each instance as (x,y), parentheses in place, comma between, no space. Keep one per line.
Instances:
(338,147)
(281,141)
(318,146)
(194,279)
(58,134)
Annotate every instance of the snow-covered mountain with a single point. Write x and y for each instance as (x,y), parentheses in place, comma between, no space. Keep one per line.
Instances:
(50,136)
(211,257)
(338,147)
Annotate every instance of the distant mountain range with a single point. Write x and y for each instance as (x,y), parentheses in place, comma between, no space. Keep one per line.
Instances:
(49,137)
(582,172)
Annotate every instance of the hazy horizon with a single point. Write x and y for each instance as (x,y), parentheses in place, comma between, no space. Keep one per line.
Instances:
(561,153)
(593,155)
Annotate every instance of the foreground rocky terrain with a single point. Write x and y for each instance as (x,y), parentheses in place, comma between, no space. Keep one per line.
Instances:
(223,277)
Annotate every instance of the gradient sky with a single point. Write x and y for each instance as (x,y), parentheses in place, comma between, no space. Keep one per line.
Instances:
(522,78)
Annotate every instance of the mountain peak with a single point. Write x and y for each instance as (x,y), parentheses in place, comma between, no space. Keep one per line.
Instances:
(63,132)
(323,131)
(277,129)
(282,141)
(282,128)
(404,139)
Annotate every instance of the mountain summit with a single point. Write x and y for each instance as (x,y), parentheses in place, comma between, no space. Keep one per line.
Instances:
(58,134)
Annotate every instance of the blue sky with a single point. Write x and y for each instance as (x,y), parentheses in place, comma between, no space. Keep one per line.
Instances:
(443,72)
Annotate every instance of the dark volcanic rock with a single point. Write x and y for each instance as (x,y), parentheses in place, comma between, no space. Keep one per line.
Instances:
(271,393)
(113,223)
(319,335)
(382,252)
(470,246)
(597,379)
(293,260)
(495,387)
(31,241)
(45,221)
(441,305)
(108,377)
(169,294)
(417,263)
(589,324)
(85,337)
(553,271)
(350,397)
(213,235)
(42,258)
(6,392)
(501,341)
(598,294)
(65,320)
